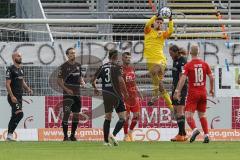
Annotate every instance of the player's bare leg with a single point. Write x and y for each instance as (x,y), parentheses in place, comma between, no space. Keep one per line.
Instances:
(204,124)
(133,124)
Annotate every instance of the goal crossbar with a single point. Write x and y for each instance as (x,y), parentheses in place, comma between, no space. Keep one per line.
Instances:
(112,21)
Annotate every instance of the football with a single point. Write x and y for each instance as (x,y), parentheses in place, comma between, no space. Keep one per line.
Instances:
(165,12)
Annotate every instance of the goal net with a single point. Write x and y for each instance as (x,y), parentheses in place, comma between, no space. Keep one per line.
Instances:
(44,49)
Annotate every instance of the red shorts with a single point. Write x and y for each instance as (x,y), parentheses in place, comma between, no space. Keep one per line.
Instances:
(196,101)
(132,104)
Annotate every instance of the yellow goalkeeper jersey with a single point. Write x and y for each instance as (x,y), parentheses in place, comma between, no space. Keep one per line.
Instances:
(154,41)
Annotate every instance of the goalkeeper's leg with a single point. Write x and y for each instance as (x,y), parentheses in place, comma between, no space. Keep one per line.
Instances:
(157,73)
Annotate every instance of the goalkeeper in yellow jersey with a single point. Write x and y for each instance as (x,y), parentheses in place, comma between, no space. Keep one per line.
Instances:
(154,39)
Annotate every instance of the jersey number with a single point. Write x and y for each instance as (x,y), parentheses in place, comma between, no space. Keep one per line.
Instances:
(198,74)
(107,79)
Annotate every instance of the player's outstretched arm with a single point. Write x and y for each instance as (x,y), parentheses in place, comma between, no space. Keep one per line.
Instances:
(170,30)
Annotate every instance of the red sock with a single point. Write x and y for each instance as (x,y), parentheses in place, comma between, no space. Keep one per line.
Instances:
(133,124)
(204,124)
(125,127)
(191,122)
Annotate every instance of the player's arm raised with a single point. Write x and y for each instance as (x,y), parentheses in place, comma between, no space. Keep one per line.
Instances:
(149,24)
(170,30)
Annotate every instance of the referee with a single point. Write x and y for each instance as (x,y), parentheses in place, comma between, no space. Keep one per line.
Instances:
(15,84)
(70,79)
(179,60)
(113,90)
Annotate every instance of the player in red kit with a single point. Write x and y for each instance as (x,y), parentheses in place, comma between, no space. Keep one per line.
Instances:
(133,102)
(196,70)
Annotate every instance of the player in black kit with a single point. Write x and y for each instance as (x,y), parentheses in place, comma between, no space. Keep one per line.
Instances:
(70,79)
(15,84)
(179,60)
(113,90)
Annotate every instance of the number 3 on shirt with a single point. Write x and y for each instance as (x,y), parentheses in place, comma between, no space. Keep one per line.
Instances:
(107,79)
(198,74)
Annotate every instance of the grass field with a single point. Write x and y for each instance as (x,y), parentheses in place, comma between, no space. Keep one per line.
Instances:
(126,151)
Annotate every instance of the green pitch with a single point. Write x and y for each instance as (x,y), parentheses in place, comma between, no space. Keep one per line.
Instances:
(126,151)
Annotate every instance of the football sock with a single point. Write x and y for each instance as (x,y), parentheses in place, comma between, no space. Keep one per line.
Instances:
(118,126)
(106,129)
(125,127)
(204,124)
(167,99)
(155,81)
(181,125)
(74,128)
(74,124)
(65,128)
(191,122)
(133,123)
(15,119)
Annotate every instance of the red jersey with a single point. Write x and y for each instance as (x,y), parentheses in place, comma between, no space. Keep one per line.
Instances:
(130,80)
(197,70)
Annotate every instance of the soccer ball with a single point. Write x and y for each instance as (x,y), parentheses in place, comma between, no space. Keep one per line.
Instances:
(165,12)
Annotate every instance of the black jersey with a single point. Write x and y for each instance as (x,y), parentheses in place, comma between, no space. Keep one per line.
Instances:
(71,74)
(16,76)
(178,65)
(109,73)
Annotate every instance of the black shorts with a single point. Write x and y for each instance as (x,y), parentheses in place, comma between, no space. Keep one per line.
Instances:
(112,101)
(71,103)
(183,97)
(15,106)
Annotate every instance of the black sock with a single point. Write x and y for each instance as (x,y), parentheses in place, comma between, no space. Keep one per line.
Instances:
(118,126)
(10,124)
(106,129)
(13,123)
(181,125)
(65,128)
(74,128)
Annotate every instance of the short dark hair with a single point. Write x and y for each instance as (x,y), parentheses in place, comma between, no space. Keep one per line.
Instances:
(112,54)
(160,18)
(67,51)
(126,53)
